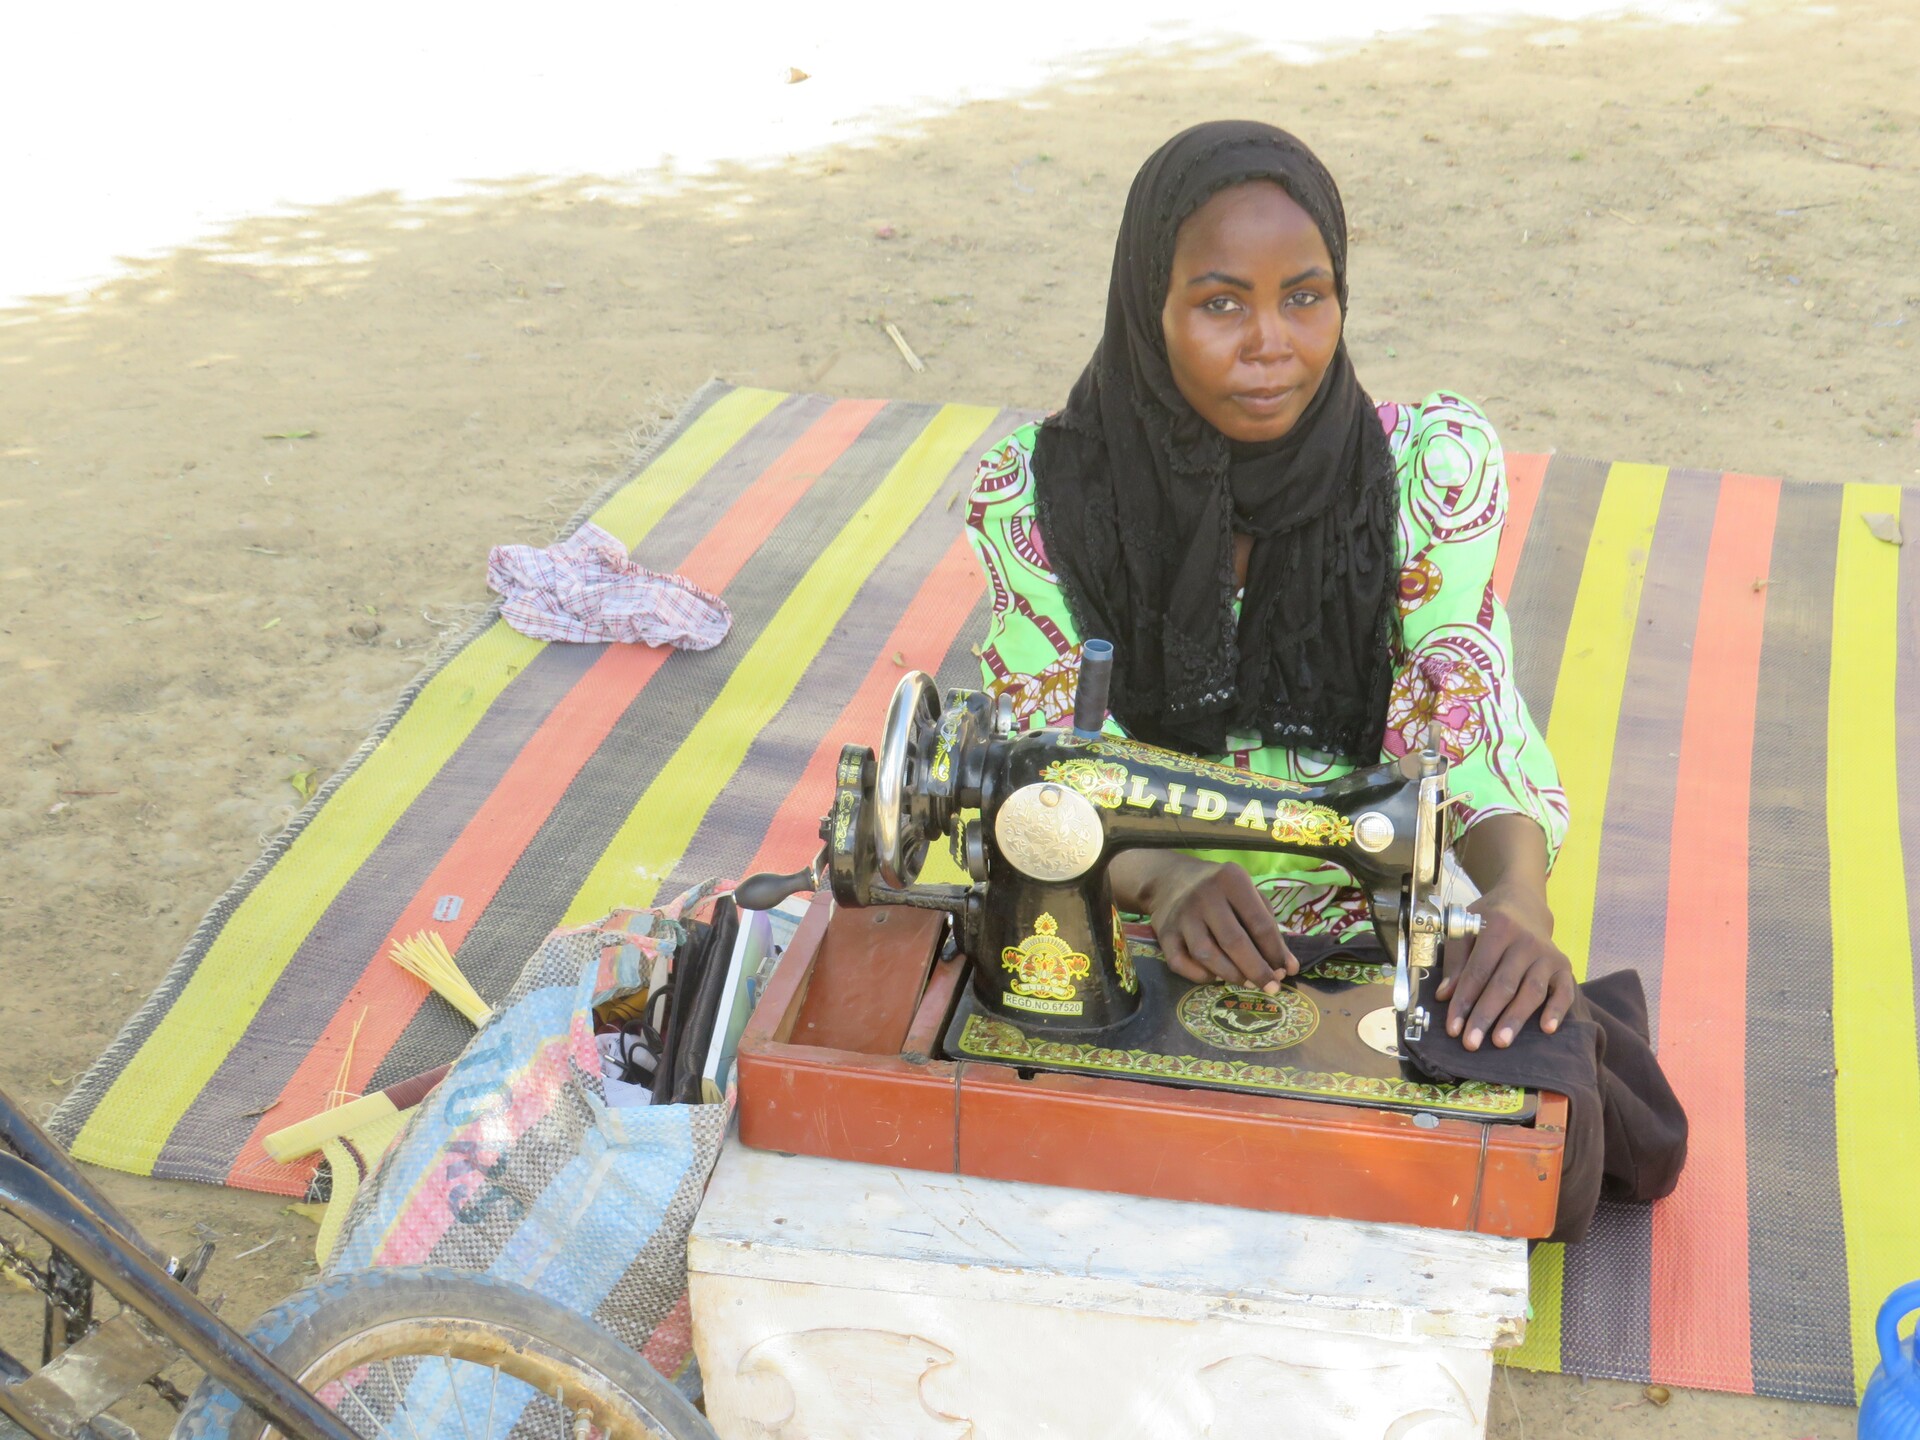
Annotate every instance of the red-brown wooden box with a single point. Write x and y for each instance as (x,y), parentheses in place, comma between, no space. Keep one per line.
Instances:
(836,1061)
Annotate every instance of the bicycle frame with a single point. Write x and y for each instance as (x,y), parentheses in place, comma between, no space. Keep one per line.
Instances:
(163,1320)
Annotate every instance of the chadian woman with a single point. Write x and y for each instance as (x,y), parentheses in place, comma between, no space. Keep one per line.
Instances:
(1298,581)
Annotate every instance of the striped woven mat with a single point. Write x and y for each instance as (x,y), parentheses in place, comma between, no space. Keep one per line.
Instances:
(1718,662)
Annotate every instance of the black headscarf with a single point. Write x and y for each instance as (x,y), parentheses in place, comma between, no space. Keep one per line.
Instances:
(1139,498)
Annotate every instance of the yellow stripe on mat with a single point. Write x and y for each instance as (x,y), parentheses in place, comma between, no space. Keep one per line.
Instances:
(635,508)
(1877,1084)
(660,826)
(1591,683)
(1580,733)
(129,1126)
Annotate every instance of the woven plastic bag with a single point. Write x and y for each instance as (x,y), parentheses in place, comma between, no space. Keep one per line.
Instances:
(517,1166)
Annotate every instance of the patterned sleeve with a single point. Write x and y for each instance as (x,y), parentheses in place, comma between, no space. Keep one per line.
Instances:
(1030,650)
(1458,668)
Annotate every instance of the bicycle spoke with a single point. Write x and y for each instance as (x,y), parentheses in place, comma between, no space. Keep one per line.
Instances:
(400,1396)
(569,1381)
(379,1425)
(453,1384)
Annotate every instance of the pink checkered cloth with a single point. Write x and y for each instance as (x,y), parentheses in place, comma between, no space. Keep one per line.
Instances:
(588,589)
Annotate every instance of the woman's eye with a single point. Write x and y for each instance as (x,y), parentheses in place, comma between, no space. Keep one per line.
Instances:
(1304,297)
(1221,305)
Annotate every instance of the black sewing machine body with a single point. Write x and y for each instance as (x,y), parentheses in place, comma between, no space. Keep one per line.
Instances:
(1034,817)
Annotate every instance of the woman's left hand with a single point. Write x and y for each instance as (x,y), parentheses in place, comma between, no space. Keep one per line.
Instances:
(1511,971)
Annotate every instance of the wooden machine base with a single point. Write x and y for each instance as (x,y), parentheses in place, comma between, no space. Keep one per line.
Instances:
(838,1061)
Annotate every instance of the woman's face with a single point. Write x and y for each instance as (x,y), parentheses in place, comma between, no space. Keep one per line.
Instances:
(1252,317)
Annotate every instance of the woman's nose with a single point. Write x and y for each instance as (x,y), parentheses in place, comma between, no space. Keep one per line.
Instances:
(1270,339)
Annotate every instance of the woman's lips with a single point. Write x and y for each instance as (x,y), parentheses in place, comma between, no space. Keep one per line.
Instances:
(1263,402)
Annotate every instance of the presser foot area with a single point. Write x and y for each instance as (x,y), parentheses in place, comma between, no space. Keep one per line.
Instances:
(1318,1039)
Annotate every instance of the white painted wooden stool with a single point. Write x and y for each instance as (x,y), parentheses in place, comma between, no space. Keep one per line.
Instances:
(836,1301)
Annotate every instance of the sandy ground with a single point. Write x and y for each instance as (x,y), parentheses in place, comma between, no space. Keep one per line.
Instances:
(1695,246)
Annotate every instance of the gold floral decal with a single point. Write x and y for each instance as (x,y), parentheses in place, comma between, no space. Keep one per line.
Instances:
(1122,961)
(842,820)
(1101,781)
(943,747)
(997,1040)
(1354,972)
(1301,822)
(1239,1017)
(1189,765)
(1045,967)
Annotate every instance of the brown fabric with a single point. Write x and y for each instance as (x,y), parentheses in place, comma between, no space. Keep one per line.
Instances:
(1626,1132)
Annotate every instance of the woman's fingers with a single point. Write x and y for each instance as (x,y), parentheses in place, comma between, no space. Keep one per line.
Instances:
(1228,937)
(1192,955)
(1250,909)
(1565,987)
(1500,987)
(1531,993)
(1173,949)
(1488,982)
(1181,963)
(1464,986)
(1186,940)
(1250,966)
(1505,983)
(1215,926)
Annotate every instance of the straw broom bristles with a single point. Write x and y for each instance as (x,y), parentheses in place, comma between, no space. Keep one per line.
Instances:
(340,1094)
(426,957)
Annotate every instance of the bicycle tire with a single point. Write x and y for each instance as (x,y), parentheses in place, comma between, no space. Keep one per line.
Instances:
(343,1326)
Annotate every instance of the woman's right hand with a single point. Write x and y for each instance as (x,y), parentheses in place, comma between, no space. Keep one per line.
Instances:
(1211,922)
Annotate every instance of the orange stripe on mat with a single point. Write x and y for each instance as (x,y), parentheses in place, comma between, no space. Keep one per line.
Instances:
(934,616)
(1701,1314)
(478,861)
(1524,474)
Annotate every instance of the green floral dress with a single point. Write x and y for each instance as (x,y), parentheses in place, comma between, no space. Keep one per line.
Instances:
(1454,664)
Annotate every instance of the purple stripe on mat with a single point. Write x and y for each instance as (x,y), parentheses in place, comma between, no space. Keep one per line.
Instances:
(1630,897)
(282,1031)
(960,669)
(1802,1336)
(335,953)
(1606,1303)
(92,1087)
(661,719)
(1548,577)
(731,834)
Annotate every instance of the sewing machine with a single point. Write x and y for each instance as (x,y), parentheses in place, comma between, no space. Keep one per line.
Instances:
(1012,1029)
(1034,817)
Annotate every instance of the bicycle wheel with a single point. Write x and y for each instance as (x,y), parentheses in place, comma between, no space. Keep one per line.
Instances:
(415,1354)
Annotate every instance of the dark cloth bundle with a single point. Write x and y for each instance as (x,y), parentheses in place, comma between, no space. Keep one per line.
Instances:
(1626,1132)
